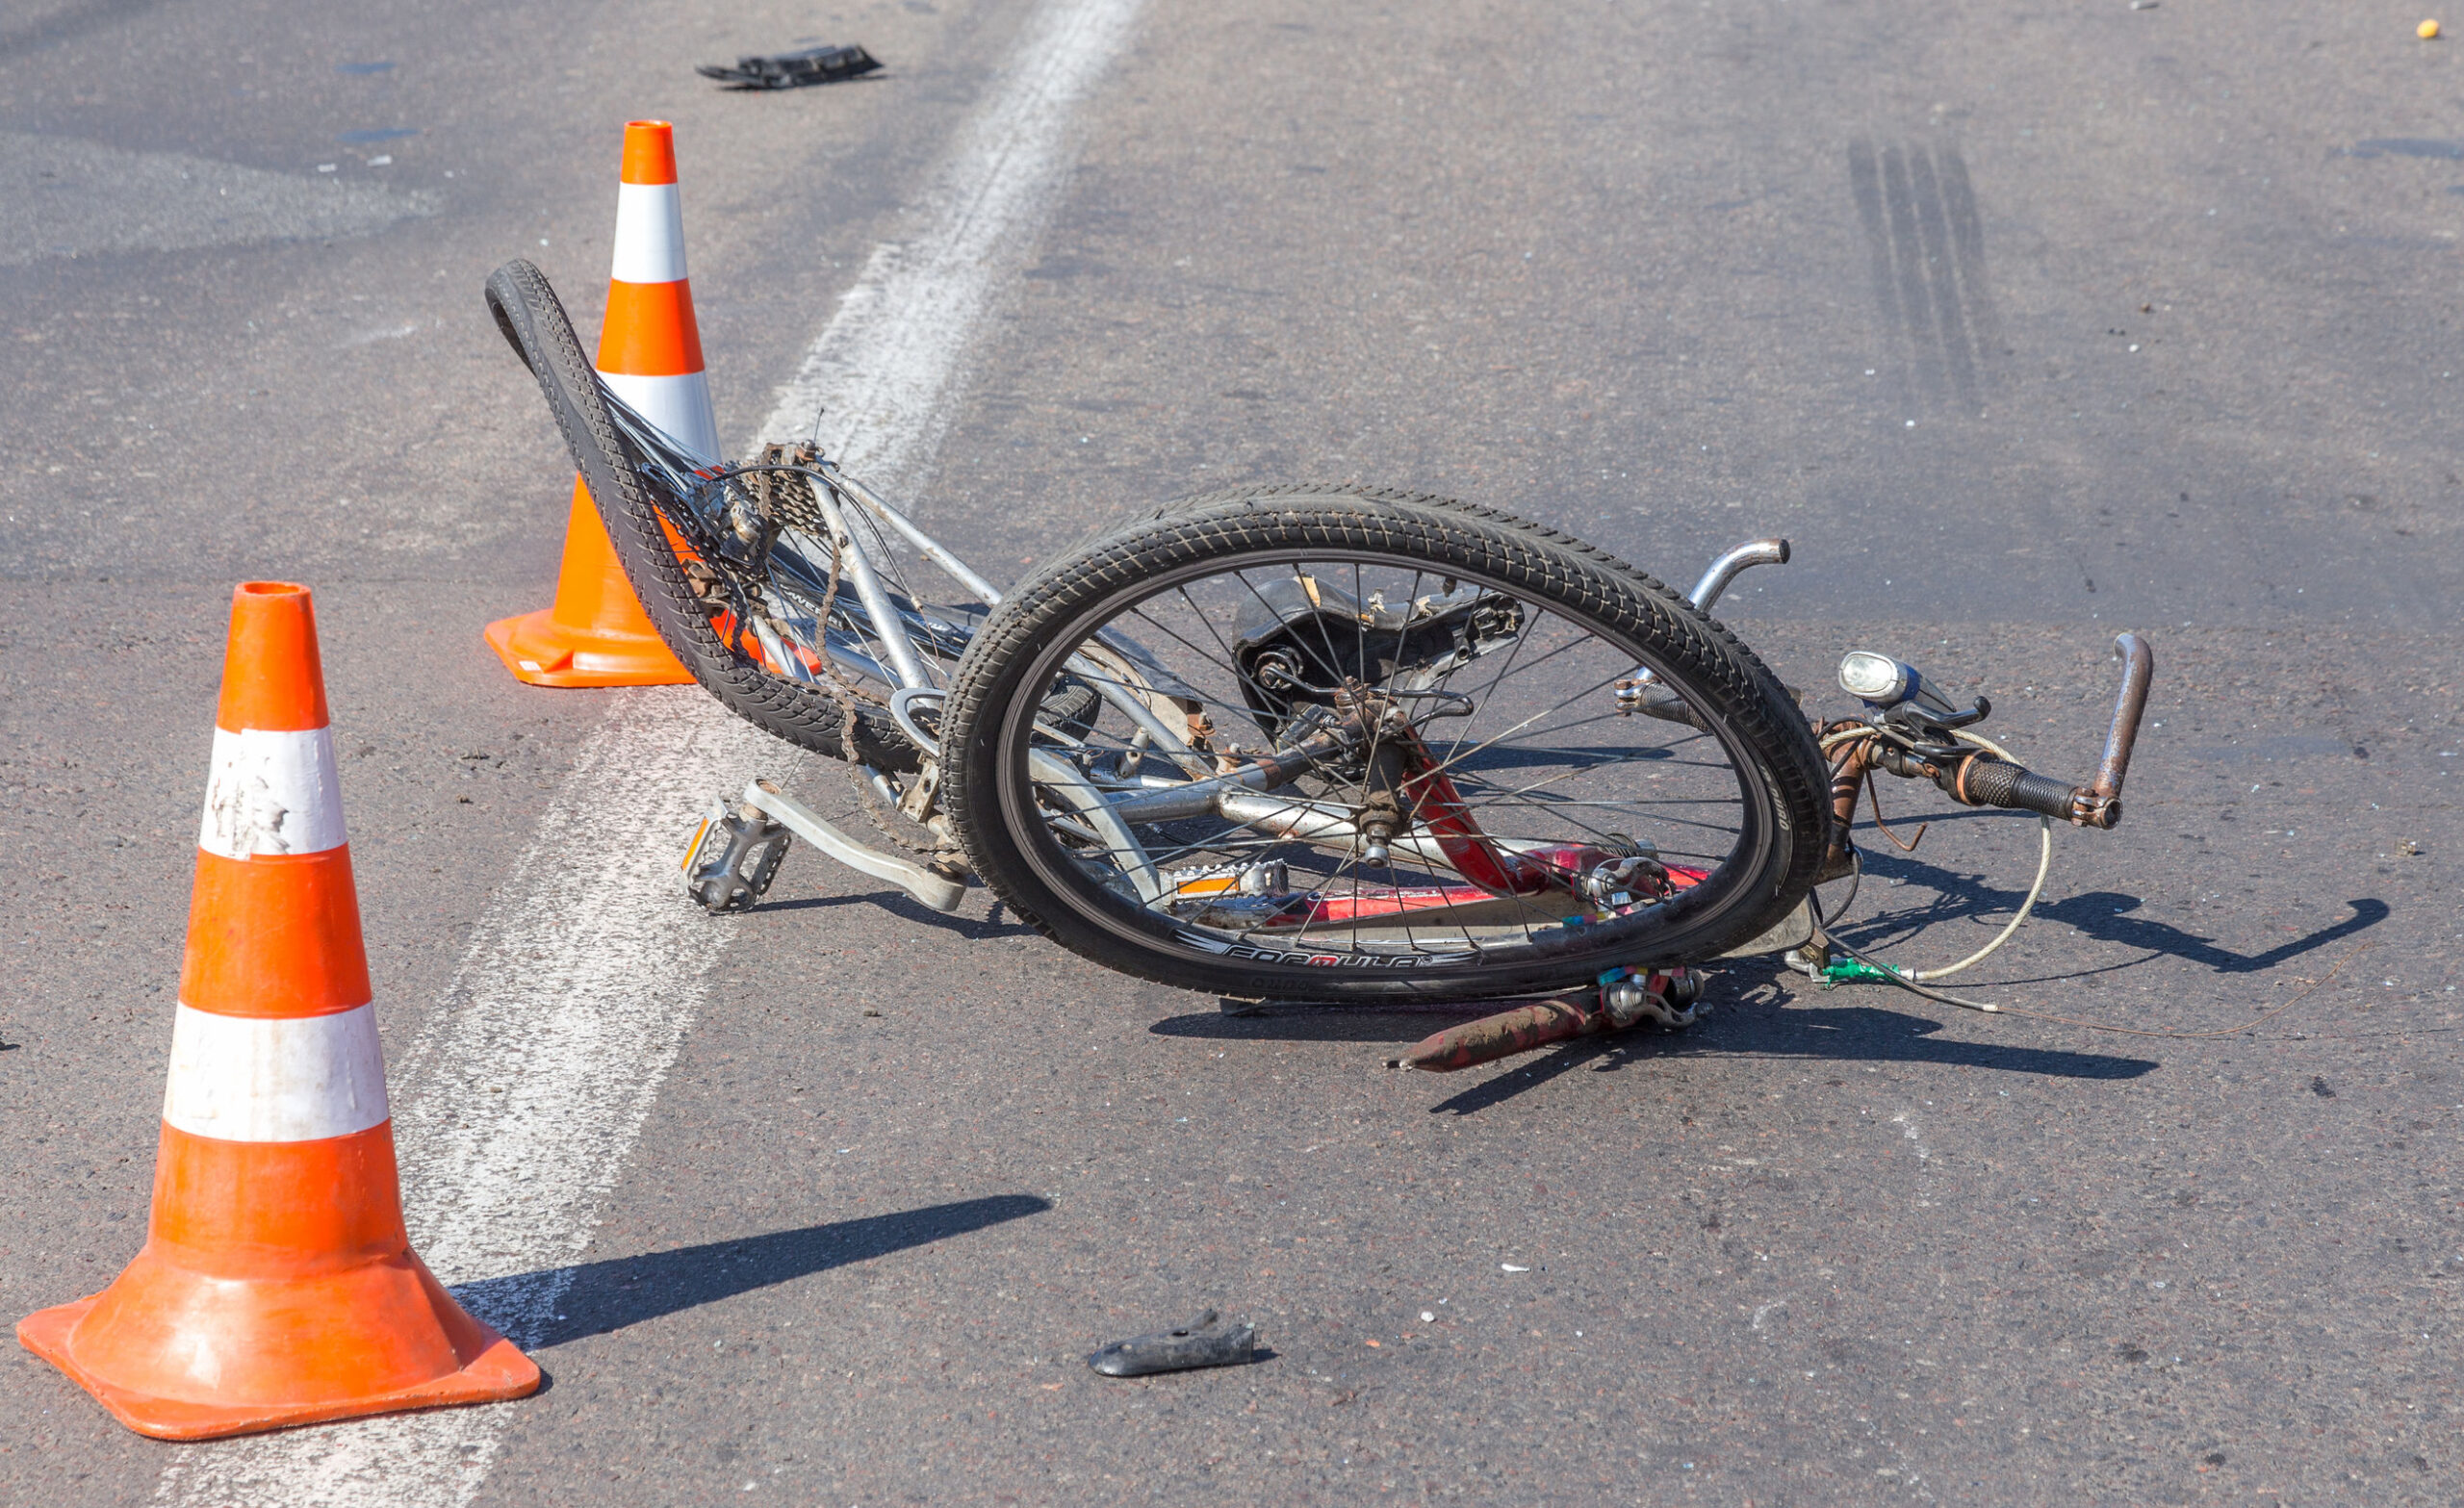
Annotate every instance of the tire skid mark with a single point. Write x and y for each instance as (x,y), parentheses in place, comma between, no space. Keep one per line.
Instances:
(1925,256)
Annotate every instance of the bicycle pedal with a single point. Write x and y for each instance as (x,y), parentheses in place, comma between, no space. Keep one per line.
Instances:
(1671,998)
(733,856)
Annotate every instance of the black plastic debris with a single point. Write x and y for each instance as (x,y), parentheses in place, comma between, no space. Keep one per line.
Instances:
(793,70)
(1193,1344)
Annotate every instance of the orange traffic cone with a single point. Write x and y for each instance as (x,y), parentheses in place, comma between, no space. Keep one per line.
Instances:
(276,1285)
(650,351)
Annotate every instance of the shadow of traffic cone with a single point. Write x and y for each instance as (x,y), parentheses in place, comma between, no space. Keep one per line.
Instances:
(650,352)
(276,1285)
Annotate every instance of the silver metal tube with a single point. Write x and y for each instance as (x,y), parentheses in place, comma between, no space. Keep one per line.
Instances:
(1310,822)
(1707,591)
(1723,571)
(1132,705)
(1293,818)
(1072,788)
(932,550)
(887,625)
(1194,798)
(858,661)
(789,665)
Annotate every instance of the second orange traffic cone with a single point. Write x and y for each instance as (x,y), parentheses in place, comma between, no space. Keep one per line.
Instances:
(276,1285)
(650,352)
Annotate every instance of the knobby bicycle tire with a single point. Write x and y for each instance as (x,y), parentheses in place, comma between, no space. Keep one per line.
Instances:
(990,799)
(534,323)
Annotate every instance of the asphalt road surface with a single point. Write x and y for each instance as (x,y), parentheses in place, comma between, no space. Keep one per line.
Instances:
(2027,325)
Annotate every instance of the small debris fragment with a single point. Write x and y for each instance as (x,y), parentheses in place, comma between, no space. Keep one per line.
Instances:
(2143,4)
(870,1011)
(793,70)
(2428,31)
(2319,1087)
(2409,848)
(1193,1344)
(1509,1266)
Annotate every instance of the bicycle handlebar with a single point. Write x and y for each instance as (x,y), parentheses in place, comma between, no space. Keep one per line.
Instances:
(1983,781)
(2138,670)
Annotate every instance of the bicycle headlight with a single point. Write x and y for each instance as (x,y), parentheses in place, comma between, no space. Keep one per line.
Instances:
(1877,678)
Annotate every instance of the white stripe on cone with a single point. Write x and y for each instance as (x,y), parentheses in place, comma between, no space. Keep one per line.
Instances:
(272,793)
(650,234)
(299,1079)
(678,405)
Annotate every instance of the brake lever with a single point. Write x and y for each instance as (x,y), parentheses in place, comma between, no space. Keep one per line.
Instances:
(1929,729)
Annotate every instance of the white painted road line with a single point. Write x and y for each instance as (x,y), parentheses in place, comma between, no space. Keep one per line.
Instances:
(896,350)
(520,1104)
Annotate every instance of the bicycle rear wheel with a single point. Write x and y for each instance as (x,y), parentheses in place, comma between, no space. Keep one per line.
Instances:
(751,626)
(1363,746)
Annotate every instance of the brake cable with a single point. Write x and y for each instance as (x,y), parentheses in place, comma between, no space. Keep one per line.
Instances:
(2045,866)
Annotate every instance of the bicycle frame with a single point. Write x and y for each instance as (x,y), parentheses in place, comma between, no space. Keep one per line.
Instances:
(1448,836)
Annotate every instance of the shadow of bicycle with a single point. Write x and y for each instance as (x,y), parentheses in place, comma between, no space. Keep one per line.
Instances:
(1855,1034)
(2103,915)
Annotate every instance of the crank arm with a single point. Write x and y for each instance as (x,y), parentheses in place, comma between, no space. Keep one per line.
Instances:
(937,891)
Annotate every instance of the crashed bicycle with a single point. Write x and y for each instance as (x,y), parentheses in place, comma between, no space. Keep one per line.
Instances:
(1321,743)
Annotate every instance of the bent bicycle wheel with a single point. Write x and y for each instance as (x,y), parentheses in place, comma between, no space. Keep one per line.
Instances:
(1362,746)
(755,645)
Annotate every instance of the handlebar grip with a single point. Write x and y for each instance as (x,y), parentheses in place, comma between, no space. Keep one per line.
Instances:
(1984,781)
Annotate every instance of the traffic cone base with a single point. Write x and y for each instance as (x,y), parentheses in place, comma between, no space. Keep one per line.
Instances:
(597,633)
(496,1370)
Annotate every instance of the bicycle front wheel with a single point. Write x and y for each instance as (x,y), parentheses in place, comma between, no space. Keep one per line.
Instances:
(1363,746)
